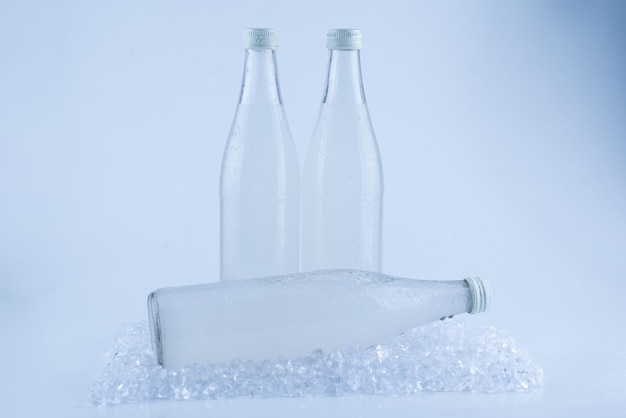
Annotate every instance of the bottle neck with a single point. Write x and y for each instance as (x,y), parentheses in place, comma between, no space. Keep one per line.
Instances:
(260,78)
(344,84)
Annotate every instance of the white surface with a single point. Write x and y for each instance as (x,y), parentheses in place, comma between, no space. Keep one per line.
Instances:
(502,132)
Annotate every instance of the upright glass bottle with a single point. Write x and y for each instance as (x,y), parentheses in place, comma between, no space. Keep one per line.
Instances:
(260,177)
(342,179)
(292,315)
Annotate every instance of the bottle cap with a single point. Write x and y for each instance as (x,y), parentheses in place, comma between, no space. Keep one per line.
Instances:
(260,38)
(481,294)
(347,39)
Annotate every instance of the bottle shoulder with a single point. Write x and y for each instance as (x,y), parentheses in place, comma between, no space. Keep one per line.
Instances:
(260,127)
(260,152)
(344,144)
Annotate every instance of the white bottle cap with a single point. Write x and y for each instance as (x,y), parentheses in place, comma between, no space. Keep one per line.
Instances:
(260,38)
(347,39)
(481,294)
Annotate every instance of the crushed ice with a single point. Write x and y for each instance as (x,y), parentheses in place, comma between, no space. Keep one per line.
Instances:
(441,356)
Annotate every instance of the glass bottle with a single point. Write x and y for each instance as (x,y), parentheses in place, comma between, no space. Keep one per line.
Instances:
(293,315)
(260,176)
(342,187)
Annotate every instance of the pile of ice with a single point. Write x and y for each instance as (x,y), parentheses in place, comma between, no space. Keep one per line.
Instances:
(446,355)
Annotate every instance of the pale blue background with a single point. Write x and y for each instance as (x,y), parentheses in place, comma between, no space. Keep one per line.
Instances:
(502,129)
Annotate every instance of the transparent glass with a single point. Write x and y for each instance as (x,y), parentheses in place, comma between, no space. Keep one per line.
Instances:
(293,315)
(342,189)
(260,180)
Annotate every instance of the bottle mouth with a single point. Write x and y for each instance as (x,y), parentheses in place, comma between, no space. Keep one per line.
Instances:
(481,294)
(155,327)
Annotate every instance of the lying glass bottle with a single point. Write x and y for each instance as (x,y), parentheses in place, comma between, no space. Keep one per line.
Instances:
(293,315)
